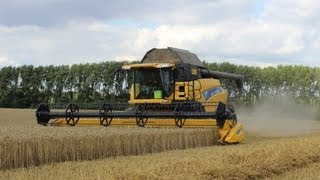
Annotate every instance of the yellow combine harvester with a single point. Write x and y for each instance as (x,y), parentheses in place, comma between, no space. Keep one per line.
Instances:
(170,87)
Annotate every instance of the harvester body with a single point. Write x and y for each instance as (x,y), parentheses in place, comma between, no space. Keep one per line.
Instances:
(170,87)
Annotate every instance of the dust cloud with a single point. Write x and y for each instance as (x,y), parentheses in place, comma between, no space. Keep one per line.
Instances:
(280,116)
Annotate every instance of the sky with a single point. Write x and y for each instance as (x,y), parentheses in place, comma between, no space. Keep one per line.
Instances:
(250,32)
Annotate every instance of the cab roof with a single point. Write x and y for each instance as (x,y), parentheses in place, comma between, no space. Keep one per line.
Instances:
(171,55)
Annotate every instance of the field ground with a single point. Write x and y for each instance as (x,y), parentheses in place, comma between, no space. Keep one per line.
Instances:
(290,153)
(308,172)
(17,117)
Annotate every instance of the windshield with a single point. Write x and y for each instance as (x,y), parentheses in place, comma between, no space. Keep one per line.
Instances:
(153,83)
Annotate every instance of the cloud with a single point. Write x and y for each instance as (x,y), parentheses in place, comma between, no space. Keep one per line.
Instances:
(292,11)
(4,61)
(53,12)
(229,40)
(282,32)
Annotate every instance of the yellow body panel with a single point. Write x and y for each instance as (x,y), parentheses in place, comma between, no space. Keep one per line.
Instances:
(150,123)
(152,101)
(236,134)
(232,132)
(195,89)
(148,65)
(192,90)
(228,134)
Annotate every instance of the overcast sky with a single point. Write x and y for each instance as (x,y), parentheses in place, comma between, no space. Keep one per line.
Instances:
(251,32)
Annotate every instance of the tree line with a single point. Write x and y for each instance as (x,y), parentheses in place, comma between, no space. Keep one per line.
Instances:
(300,83)
(27,86)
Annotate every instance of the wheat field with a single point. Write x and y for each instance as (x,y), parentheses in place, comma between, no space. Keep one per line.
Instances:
(28,144)
(263,159)
(148,153)
(308,172)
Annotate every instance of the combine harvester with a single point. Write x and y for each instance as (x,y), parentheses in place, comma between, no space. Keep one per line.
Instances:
(170,87)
